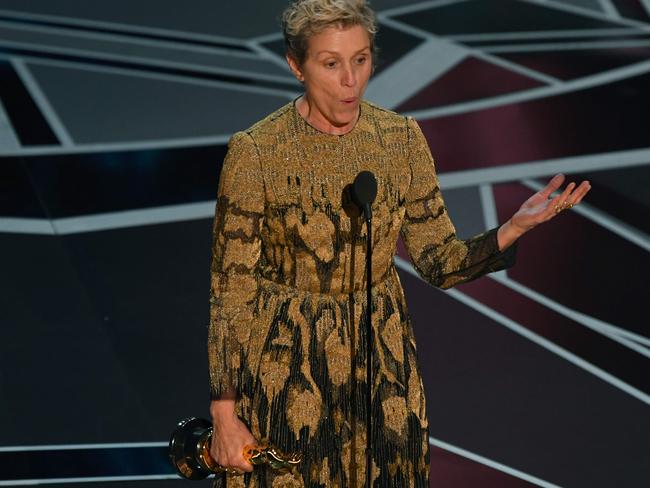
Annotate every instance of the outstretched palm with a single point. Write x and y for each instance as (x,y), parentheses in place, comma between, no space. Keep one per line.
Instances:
(540,207)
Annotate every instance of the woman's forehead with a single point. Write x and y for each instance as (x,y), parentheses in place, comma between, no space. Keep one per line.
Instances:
(339,40)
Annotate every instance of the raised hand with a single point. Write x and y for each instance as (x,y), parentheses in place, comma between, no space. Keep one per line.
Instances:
(541,207)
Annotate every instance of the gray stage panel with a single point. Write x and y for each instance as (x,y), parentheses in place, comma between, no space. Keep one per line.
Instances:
(141,51)
(131,108)
(241,19)
(465,209)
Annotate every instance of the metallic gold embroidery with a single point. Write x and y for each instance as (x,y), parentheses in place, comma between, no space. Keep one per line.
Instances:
(287,295)
(395,414)
(303,409)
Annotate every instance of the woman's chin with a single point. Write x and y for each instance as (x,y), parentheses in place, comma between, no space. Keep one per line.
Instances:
(346,117)
(344,122)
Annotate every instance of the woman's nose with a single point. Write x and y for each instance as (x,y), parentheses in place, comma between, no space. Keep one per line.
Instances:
(349,76)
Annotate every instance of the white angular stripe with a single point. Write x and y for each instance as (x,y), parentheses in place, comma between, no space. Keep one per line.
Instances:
(646,5)
(476,52)
(544,167)
(489,208)
(126,28)
(566,46)
(134,218)
(8,139)
(14,225)
(570,86)
(550,34)
(271,56)
(609,9)
(418,6)
(41,100)
(130,39)
(489,462)
(537,339)
(490,216)
(68,447)
(188,142)
(144,63)
(414,71)
(92,479)
(516,68)
(143,73)
(574,9)
(611,332)
(198,210)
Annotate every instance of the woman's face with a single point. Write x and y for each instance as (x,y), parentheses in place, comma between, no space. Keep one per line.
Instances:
(335,75)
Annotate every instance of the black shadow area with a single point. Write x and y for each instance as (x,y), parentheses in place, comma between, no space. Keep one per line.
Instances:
(150,285)
(26,118)
(61,380)
(79,184)
(17,195)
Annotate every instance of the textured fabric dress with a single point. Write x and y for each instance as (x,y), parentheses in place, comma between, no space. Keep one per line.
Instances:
(288,299)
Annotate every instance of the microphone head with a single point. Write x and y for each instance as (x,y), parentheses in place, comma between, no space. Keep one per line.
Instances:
(364,188)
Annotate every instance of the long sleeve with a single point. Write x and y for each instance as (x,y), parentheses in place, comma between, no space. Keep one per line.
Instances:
(438,255)
(236,252)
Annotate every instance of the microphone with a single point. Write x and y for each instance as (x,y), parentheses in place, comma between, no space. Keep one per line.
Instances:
(364,191)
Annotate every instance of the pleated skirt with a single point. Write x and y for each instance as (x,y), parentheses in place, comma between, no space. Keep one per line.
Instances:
(304,389)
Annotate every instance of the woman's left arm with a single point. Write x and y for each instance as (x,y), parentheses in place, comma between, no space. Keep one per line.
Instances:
(540,208)
(438,255)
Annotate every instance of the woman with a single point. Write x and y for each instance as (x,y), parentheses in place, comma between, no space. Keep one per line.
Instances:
(286,342)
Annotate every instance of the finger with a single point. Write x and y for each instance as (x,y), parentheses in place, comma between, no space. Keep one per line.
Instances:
(244,466)
(567,192)
(237,468)
(551,208)
(574,198)
(554,184)
(233,461)
(577,194)
(556,205)
(561,199)
(582,194)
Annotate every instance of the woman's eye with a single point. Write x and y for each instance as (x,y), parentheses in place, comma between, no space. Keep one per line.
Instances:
(361,60)
(330,64)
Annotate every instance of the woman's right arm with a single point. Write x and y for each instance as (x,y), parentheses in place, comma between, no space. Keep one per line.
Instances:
(236,252)
(230,434)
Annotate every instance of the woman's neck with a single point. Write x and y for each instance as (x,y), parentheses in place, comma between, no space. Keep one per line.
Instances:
(306,111)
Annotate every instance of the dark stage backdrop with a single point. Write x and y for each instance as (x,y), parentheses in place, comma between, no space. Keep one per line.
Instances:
(114,119)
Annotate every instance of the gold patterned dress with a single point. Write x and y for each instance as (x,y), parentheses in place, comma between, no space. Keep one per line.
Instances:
(288,299)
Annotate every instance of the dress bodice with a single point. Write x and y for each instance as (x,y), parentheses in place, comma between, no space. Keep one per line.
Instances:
(313,237)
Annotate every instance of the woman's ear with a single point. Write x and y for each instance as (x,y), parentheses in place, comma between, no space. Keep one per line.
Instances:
(295,68)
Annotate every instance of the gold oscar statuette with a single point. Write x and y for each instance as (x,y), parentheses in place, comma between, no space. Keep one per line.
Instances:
(189,452)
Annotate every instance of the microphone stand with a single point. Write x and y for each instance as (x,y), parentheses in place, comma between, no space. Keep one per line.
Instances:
(364,191)
(369,341)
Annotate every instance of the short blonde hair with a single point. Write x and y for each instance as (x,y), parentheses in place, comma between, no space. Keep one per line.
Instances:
(304,18)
